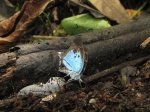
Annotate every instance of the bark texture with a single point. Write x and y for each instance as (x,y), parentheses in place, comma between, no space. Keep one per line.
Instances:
(30,63)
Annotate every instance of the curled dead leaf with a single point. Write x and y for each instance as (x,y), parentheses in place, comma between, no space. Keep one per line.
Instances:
(12,28)
(114,10)
(8,24)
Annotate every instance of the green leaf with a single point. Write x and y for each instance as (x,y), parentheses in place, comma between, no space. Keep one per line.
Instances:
(83,23)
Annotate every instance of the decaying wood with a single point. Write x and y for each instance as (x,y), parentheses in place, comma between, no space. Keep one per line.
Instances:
(31,63)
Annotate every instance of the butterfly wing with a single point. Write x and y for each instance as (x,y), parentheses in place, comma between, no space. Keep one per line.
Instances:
(84,53)
(73,61)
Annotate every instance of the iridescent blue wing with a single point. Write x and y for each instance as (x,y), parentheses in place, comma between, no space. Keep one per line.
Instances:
(74,61)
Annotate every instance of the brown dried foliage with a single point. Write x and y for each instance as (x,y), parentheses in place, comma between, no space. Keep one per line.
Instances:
(12,28)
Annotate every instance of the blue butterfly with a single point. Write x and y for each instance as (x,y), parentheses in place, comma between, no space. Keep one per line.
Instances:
(75,60)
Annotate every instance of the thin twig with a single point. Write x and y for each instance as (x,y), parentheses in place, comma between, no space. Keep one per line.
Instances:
(113,69)
(45,37)
(145,43)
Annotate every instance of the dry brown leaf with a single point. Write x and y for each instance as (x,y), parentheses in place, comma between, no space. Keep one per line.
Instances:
(82,7)
(112,9)
(8,24)
(13,27)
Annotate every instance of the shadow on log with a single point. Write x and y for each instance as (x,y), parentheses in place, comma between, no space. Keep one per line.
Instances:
(31,63)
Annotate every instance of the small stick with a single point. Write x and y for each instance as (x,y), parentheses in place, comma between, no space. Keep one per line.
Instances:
(45,37)
(109,71)
(144,44)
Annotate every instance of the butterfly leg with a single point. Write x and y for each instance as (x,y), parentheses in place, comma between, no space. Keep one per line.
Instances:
(69,73)
(75,76)
(80,81)
(72,79)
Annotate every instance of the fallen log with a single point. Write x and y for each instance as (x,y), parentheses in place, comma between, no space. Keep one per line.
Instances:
(31,63)
(88,38)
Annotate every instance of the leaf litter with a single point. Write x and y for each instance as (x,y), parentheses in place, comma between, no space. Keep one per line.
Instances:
(105,94)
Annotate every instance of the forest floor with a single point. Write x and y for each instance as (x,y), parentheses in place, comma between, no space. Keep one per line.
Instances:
(108,94)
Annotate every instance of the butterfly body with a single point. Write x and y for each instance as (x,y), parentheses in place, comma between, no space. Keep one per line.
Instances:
(75,60)
(73,75)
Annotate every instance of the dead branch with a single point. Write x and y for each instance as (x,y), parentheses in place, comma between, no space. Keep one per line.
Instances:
(31,63)
(113,69)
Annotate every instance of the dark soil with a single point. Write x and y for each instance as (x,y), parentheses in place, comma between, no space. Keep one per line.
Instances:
(107,94)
